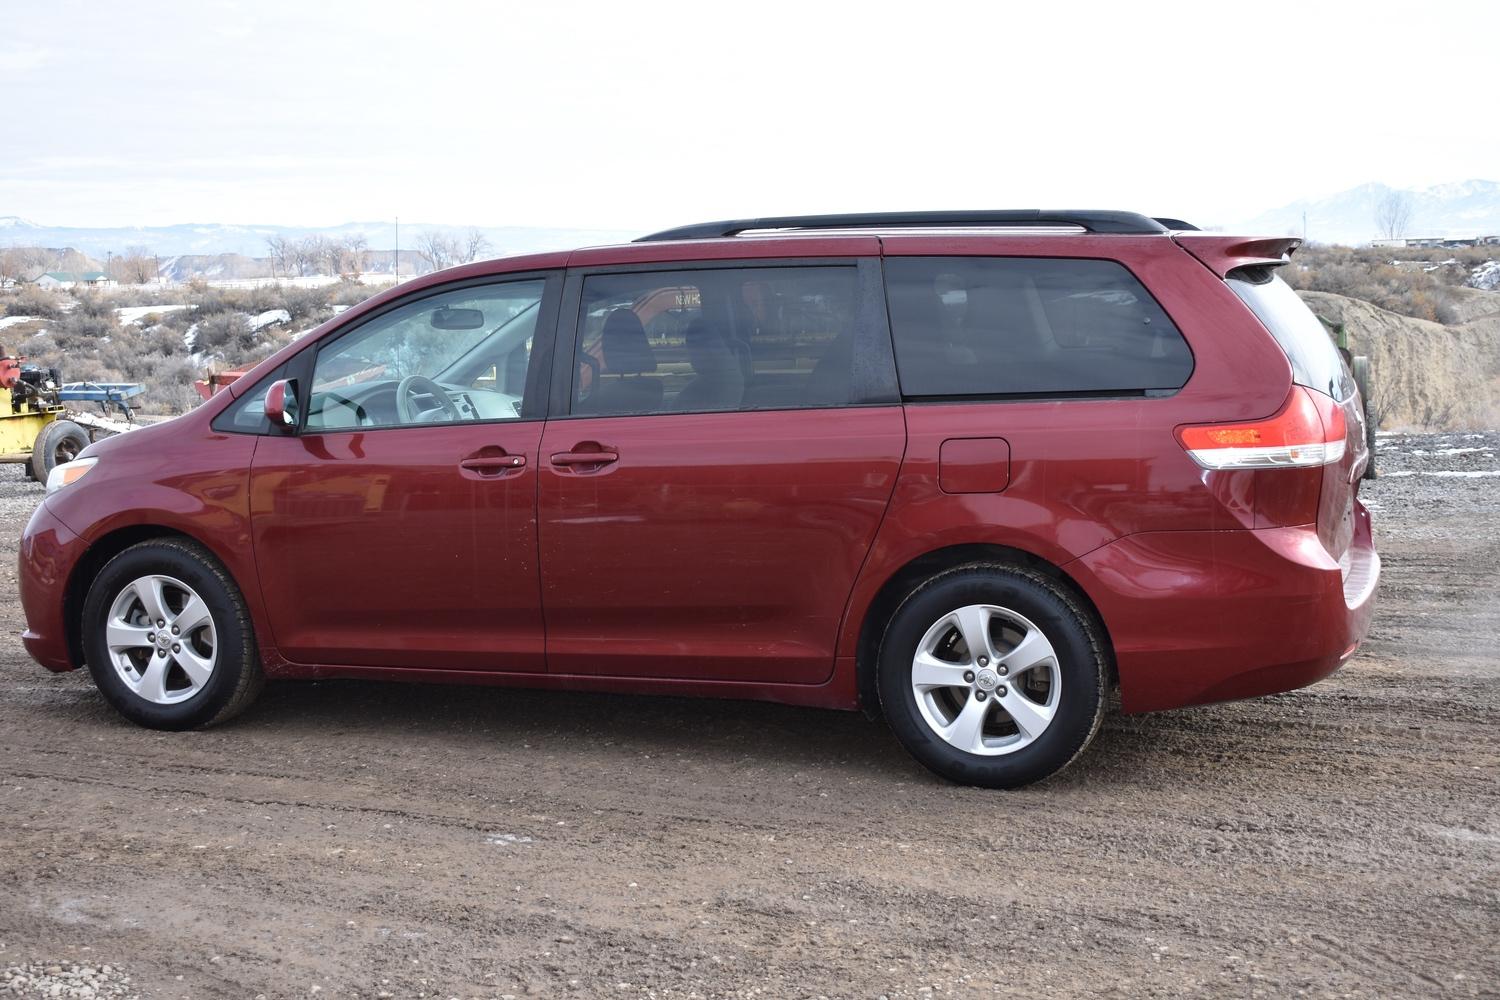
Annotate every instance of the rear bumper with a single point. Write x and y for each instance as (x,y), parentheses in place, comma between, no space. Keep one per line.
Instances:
(1205,616)
(49,550)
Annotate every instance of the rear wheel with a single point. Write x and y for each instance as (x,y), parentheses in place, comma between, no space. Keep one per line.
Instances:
(993,675)
(1361,369)
(167,637)
(59,442)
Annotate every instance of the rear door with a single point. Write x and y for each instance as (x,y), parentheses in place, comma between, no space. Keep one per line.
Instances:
(397,526)
(716,468)
(1317,365)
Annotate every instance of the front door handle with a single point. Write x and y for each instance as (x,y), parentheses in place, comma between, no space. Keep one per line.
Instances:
(493,464)
(585,457)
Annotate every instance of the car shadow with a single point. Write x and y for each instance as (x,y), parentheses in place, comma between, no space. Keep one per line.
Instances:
(461,717)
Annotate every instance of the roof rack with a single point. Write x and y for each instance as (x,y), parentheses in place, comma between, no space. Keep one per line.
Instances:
(1092,222)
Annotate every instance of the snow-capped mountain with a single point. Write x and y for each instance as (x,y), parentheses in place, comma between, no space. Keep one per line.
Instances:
(1461,208)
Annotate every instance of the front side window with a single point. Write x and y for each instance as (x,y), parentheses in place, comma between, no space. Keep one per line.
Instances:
(458,356)
(1025,326)
(715,339)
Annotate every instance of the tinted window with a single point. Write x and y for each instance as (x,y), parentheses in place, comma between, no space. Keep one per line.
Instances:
(457,356)
(1316,362)
(715,339)
(988,326)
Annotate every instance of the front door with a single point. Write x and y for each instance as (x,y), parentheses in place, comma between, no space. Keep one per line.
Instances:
(706,505)
(397,527)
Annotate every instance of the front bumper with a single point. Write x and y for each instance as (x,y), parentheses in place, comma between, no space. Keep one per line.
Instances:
(1205,616)
(49,551)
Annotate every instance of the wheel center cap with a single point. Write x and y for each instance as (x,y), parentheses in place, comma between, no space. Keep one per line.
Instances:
(163,641)
(987,680)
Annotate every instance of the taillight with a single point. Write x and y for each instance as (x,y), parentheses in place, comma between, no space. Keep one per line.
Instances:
(1309,431)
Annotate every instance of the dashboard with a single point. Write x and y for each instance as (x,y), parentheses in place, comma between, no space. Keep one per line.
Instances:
(373,404)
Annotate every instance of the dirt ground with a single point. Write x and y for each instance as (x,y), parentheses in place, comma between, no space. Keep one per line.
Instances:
(357,839)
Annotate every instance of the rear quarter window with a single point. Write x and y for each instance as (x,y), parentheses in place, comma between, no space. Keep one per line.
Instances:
(1316,362)
(1020,326)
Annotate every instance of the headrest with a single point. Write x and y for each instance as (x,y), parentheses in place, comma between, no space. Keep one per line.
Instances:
(708,351)
(626,350)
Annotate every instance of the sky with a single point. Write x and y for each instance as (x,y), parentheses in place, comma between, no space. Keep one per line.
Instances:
(641,115)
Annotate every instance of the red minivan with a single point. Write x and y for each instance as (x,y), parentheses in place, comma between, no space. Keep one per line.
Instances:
(969,471)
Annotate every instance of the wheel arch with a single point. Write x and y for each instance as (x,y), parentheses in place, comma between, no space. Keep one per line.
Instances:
(905,579)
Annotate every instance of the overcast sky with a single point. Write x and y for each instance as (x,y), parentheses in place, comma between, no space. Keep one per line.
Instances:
(640,115)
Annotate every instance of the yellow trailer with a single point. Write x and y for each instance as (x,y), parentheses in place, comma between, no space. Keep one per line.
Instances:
(36,427)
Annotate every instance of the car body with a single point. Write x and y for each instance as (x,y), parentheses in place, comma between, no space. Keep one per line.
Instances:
(555,522)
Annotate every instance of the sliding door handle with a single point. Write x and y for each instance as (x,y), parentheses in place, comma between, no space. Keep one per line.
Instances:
(567,458)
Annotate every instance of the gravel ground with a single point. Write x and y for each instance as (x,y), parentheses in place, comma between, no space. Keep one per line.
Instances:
(353,839)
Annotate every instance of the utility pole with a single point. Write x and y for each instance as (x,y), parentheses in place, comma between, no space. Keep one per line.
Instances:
(396,253)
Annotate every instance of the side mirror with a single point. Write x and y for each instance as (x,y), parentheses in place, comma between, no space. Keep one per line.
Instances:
(281,405)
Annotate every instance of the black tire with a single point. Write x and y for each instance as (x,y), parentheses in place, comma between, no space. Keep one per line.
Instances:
(1081,657)
(236,678)
(1361,369)
(59,442)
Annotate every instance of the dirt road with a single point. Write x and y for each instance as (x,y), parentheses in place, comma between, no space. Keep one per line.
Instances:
(352,839)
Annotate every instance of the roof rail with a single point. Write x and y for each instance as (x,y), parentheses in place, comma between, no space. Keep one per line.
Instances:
(1093,222)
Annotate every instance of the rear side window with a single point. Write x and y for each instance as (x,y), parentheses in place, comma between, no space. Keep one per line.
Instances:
(1316,362)
(1023,326)
(715,339)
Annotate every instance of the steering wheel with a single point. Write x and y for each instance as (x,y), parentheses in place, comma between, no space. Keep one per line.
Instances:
(420,385)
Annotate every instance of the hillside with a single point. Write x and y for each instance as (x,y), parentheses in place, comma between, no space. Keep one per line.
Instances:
(1426,375)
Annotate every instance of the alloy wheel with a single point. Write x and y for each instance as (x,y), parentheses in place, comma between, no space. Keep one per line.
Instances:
(161,639)
(986,680)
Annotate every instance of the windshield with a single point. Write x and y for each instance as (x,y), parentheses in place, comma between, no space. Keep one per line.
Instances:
(1316,362)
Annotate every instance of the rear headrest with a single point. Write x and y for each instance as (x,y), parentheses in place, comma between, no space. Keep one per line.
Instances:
(709,353)
(626,350)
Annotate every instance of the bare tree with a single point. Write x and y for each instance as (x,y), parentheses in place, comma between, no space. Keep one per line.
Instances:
(439,251)
(475,246)
(353,250)
(281,254)
(13,266)
(136,267)
(1393,214)
(327,255)
(304,254)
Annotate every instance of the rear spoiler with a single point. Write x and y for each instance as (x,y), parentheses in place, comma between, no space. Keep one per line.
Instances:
(1223,255)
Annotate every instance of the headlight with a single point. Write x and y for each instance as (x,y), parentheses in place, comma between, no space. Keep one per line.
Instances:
(68,472)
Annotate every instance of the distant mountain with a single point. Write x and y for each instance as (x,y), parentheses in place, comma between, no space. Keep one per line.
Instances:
(1463,208)
(250,241)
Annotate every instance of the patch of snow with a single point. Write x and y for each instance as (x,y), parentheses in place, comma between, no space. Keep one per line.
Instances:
(134,314)
(14,320)
(270,317)
(1457,451)
(1486,276)
(505,839)
(190,337)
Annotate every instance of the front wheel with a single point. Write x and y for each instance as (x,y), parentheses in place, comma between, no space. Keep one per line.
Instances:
(167,637)
(993,675)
